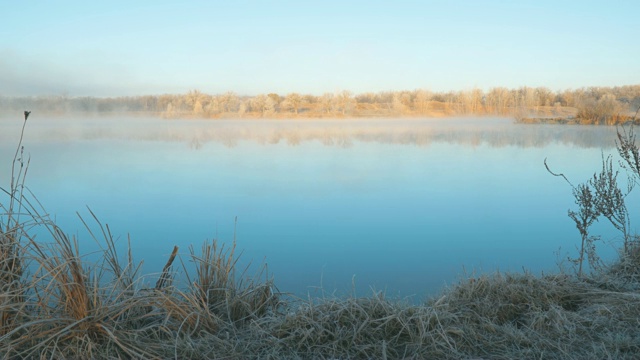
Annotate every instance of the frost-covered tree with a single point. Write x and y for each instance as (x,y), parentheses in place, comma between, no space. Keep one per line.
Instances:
(292,102)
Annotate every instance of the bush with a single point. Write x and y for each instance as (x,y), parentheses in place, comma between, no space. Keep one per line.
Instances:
(605,110)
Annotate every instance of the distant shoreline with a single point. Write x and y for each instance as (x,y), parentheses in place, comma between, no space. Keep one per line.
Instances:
(620,120)
(594,105)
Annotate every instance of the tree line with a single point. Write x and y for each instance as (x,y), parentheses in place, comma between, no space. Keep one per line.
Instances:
(602,105)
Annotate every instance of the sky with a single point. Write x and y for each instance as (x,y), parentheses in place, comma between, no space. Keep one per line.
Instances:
(128,48)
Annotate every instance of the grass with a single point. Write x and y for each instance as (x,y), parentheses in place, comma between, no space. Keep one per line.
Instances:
(57,304)
(74,309)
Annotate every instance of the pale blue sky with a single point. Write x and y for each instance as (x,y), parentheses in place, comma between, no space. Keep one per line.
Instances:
(119,47)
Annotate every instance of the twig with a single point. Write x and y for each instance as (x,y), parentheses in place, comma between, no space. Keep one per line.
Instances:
(18,150)
(554,174)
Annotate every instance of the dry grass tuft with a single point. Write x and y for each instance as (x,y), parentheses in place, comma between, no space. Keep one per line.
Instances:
(218,290)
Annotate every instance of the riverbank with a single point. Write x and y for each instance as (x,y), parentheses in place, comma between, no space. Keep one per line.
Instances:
(622,120)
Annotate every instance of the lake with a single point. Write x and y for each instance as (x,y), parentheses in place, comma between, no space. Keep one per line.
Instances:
(402,205)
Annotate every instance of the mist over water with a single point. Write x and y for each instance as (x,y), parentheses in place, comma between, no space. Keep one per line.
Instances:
(495,132)
(402,205)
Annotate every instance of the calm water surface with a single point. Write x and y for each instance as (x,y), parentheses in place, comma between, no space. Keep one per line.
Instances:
(404,206)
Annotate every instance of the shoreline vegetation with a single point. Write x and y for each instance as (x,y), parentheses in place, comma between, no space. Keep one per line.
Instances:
(54,303)
(592,105)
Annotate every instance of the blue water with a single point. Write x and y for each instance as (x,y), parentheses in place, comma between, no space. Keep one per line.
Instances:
(404,206)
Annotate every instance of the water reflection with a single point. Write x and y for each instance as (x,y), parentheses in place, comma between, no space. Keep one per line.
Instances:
(498,132)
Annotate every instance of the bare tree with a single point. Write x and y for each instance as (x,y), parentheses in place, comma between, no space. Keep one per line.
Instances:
(499,101)
(242,108)
(326,103)
(229,101)
(421,101)
(195,100)
(344,101)
(293,101)
(545,96)
(397,104)
(263,104)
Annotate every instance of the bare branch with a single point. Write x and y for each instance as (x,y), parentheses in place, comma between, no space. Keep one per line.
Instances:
(554,174)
